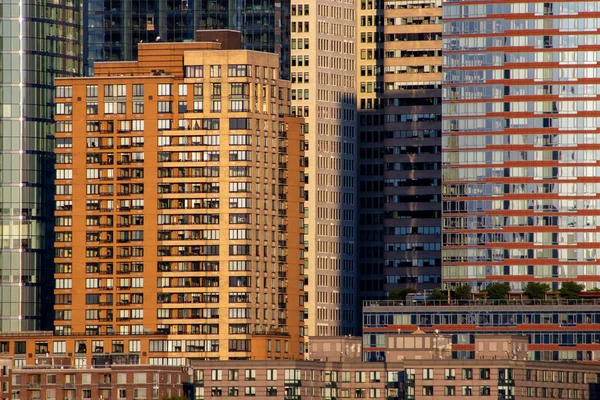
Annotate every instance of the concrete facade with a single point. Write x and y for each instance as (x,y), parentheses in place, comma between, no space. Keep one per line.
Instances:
(324,88)
(180,196)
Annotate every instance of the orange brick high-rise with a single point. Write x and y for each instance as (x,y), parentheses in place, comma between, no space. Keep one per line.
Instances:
(179,203)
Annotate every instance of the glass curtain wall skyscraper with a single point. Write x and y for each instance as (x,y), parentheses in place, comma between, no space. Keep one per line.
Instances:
(521,144)
(38,43)
(113,28)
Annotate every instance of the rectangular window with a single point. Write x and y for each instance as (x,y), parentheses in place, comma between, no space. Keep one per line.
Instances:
(165,107)
(91,91)
(194,71)
(165,89)
(215,71)
(64,91)
(235,70)
(64,108)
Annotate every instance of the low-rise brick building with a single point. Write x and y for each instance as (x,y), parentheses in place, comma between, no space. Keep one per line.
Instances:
(53,380)
(419,366)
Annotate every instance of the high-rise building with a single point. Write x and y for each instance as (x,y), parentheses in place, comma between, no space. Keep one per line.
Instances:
(324,94)
(521,143)
(399,78)
(27,72)
(114,28)
(180,196)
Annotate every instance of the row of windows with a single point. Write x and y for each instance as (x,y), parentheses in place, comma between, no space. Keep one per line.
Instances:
(233,70)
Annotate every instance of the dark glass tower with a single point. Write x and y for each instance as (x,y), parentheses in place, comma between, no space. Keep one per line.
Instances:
(113,28)
(37,44)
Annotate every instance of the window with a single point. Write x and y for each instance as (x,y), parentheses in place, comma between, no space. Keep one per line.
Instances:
(216,375)
(115,90)
(427,390)
(235,70)
(234,374)
(165,89)
(138,377)
(138,90)
(60,347)
(359,377)
(164,124)
(467,390)
(250,391)
(165,107)
(91,91)
(194,71)
(91,108)
(450,374)
(239,123)
(374,376)
(215,71)
(427,374)
(271,374)
(250,374)
(345,376)
(139,393)
(64,108)
(467,373)
(64,91)
(450,391)
(64,126)
(182,89)
(484,373)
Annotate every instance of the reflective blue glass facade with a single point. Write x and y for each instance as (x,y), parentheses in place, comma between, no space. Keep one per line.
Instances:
(37,44)
(520,143)
(113,28)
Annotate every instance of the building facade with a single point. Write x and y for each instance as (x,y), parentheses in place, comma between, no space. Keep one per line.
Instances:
(180,198)
(58,381)
(422,369)
(323,93)
(399,76)
(27,75)
(520,143)
(114,28)
(556,330)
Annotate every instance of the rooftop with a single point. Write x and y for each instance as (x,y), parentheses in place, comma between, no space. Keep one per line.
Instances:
(512,303)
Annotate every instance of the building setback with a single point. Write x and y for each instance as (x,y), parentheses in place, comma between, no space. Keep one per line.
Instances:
(180,201)
(27,73)
(520,143)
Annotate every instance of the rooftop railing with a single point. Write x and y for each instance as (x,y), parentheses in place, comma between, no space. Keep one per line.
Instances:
(480,302)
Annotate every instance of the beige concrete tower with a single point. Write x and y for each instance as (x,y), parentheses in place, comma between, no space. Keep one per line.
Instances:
(180,188)
(324,93)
